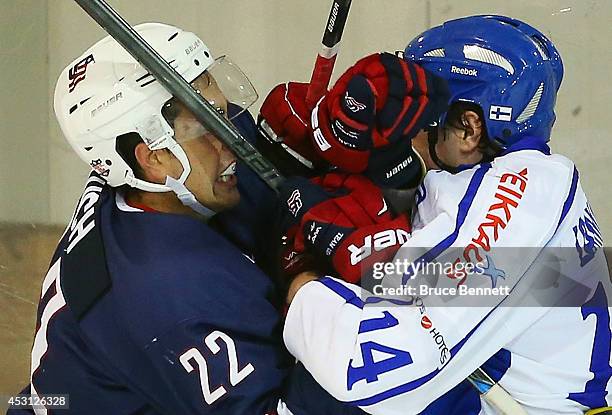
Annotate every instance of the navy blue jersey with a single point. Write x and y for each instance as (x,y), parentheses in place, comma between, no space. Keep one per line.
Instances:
(151,313)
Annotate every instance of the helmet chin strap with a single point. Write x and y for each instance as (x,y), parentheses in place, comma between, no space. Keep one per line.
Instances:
(423,165)
(178,185)
(174,185)
(432,139)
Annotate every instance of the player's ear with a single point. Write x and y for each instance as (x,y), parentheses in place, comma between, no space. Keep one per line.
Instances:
(472,125)
(154,164)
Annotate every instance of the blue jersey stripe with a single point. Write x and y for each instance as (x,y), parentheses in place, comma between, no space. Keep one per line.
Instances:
(344,292)
(464,207)
(570,198)
(351,298)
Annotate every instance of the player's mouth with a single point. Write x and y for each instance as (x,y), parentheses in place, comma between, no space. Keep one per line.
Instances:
(228,176)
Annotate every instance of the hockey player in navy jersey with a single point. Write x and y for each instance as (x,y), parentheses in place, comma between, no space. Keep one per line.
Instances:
(146,308)
(494,184)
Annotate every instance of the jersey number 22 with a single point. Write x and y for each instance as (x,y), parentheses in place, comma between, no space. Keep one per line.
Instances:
(235,375)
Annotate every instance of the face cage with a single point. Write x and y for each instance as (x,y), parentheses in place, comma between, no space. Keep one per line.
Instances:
(234,84)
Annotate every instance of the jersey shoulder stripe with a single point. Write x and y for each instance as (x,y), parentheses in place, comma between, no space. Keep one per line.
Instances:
(570,197)
(464,207)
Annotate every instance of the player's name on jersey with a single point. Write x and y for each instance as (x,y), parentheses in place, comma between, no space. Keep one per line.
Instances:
(426,290)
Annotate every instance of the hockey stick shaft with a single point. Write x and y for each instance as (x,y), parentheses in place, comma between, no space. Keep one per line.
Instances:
(494,394)
(326,59)
(127,37)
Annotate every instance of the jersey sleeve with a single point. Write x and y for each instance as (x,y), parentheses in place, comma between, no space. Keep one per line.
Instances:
(388,356)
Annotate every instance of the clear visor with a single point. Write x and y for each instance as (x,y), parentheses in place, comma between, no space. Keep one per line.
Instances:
(224,86)
(235,85)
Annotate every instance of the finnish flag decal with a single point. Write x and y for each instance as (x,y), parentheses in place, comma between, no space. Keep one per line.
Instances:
(499,113)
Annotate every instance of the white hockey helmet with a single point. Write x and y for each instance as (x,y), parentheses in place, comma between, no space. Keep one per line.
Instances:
(106,93)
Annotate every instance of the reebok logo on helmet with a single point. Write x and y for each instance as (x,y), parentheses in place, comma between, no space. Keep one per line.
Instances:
(464,71)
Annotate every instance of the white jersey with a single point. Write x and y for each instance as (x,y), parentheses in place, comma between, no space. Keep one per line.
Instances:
(552,358)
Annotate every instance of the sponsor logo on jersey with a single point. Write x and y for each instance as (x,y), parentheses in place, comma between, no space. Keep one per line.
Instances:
(295,202)
(588,236)
(492,272)
(378,241)
(508,195)
(426,322)
(500,113)
(353,104)
(440,342)
(436,334)
(464,71)
(401,166)
(78,72)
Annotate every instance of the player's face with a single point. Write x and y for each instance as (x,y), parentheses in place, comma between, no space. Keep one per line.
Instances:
(212,179)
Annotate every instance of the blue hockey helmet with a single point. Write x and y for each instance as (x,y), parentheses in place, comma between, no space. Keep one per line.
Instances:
(507,67)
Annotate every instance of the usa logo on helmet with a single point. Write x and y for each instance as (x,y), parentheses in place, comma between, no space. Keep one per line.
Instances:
(77,73)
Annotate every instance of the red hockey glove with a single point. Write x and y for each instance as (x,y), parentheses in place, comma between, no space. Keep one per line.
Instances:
(365,123)
(284,121)
(335,214)
(357,253)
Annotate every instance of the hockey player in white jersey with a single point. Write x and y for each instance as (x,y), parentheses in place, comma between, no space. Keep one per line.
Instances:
(496,198)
